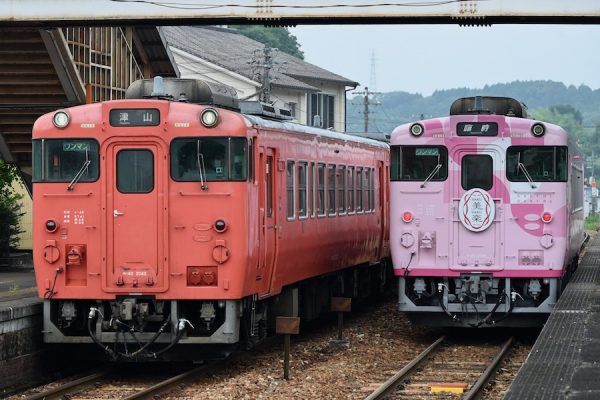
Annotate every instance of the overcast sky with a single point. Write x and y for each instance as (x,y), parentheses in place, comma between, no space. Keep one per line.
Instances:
(423,58)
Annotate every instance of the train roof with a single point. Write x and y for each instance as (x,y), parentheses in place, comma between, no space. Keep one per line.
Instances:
(295,127)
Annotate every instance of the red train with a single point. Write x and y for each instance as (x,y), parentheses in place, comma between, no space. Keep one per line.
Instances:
(172,218)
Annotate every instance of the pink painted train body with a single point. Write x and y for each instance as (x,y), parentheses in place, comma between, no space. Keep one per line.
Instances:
(486,215)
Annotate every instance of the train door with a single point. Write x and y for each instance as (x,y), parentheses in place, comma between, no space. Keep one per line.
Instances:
(135,212)
(477,210)
(382,209)
(267,213)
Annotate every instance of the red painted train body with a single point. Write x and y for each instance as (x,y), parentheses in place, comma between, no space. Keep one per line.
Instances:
(159,222)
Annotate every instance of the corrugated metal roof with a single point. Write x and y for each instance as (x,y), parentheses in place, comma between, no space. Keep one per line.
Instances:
(234,51)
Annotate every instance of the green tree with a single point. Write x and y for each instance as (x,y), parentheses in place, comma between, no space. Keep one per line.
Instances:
(277,37)
(10,208)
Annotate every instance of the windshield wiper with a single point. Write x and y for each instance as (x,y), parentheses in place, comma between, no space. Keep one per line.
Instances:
(200,164)
(79,174)
(431,175)
(525,172)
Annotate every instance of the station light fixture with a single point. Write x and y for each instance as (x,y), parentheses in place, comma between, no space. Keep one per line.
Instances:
(209,117)
(61,119)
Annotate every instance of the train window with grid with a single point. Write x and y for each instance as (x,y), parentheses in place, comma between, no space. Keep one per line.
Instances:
(539,163)
(302,189)
(366,189)
(291,207)
(60,160)
(135,171)
(321,189)
(311,189)
(194,159)
(477,171)
(417,163)
(341,189)
(350,189)
(331,189)
(359,189)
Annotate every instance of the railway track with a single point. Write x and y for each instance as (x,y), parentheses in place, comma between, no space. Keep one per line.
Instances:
(445,371)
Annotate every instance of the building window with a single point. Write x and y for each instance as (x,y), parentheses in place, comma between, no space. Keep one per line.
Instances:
(290,189)
(321,105)
(321,189)
(331,189)
(292,107)
(302,183)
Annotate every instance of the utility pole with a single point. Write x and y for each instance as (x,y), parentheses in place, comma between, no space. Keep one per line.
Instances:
(367,102)
(262,73)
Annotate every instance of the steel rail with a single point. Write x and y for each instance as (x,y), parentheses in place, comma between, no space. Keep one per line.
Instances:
(69,388)
(158,388)
(391,384)
(489,371)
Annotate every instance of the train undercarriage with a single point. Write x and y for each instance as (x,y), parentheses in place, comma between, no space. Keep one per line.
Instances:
(143,328)
(480,300)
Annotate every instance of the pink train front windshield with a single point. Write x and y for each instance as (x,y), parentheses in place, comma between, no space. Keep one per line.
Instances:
(482,193)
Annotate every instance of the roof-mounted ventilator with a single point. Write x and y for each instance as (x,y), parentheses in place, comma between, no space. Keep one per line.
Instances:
(489,105)
(265,110)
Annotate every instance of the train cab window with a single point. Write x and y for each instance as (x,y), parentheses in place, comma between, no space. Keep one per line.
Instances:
(61,160)
(477,171)
(359,189)
(331,189)
(539,163)
(341,189)
(321,189)
(417,163)
(195,159)
(302,183)
(135,171)
(290,181)
(350,190)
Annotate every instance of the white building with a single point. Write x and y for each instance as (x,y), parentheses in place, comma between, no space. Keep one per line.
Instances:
(224,55)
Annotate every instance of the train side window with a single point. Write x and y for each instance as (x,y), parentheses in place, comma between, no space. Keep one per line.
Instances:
(321,189)
(302,183)
(341,189)
(135,171)
(350,190)
(477,171)
(416,163)
(251,160)
(331,189)
(311,189)
(372,190)
(359,189)
(290,183)
(367,189)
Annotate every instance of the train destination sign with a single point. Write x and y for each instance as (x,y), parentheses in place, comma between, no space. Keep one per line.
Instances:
(477,129)
(134,117)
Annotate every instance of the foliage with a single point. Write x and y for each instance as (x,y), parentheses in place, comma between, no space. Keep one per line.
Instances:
(276,37)
(591,222)
(10,208)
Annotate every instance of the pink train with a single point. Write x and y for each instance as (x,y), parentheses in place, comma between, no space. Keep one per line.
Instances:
(486,215)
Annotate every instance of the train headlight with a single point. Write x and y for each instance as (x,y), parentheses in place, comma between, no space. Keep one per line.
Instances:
(538,129)
(220,225)
(61,119)
(407,216)
(546,217)
(209,117)
(417,129)
(51,226)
